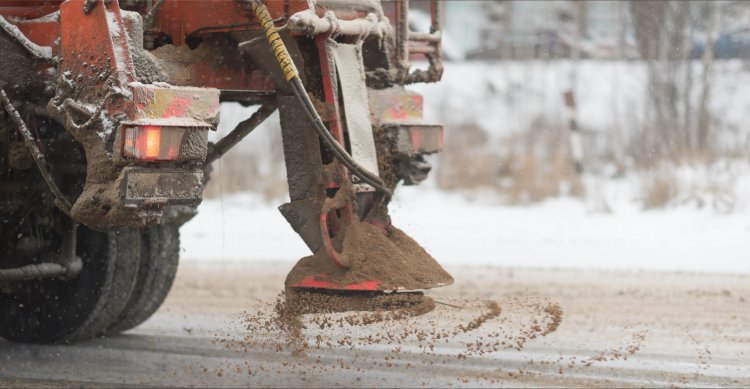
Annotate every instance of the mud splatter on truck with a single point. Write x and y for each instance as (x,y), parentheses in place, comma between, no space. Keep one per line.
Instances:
(104,150)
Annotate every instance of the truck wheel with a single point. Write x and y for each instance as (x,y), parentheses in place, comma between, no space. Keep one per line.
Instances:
(160,248)
(61,311)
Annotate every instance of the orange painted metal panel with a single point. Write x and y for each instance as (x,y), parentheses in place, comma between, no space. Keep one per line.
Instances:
(43,33)
(181,18)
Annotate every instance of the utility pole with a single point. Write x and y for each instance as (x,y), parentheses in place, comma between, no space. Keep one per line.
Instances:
(574,135)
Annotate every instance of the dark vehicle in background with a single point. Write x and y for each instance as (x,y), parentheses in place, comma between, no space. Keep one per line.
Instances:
(735,44)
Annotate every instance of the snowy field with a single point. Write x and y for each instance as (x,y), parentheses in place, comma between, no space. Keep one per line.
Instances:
(507,97)
(504,97)
(456,230)
(606,230)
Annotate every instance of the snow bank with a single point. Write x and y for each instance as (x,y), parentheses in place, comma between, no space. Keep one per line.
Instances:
(560,233)
(507,97)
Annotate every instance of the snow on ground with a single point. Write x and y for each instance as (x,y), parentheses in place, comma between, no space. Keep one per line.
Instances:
(507,97)
(456,230)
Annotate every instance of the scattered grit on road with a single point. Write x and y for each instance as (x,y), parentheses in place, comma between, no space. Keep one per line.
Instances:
(229,325)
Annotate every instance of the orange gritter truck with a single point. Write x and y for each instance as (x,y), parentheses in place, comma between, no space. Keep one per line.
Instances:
(105,111)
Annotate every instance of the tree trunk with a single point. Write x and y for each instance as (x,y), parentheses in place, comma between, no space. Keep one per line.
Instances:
(687,108)
(708,62)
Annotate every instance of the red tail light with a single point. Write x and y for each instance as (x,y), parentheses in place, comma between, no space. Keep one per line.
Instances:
(152,143)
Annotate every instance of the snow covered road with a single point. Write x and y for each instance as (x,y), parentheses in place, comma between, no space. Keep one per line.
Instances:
(613,329)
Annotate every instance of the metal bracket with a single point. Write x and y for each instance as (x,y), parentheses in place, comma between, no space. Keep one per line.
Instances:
(70,265)
(428,45)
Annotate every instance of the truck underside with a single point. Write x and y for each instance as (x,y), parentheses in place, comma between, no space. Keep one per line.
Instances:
(104,152)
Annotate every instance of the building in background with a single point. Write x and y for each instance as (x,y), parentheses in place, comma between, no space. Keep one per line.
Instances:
(541,29)
(595,29)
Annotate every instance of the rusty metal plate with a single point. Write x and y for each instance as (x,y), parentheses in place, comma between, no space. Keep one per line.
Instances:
(412,139)
(351,78)
(171,186)
(166,105)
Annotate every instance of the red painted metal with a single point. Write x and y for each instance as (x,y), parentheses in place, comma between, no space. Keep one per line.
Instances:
(173,106)
(416,139)
(223,76)
(96,59)
(341,14)
(328,245)
(337,219)
(177,19)
(27,12)
(181,18)
(178,107)
(325,67)
(397,108)
(319,282)
(28,9)
(43,33)
(93,44)
(30,3)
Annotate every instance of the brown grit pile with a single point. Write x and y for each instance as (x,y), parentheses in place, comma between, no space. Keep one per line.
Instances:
(396,261)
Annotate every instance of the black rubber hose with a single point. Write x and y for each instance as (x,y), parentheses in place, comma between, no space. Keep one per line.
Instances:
(60,200)
(341,154)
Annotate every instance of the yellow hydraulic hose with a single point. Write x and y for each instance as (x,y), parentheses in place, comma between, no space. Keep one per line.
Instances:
(292,76)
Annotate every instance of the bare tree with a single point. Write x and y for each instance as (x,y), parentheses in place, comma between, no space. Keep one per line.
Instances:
(708,62)
(665,31)
(687,108)
(647,19)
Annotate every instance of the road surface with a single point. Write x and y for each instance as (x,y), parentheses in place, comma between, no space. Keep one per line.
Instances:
(493,327)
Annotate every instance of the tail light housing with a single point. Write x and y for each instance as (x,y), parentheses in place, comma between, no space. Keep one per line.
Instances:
(152,143)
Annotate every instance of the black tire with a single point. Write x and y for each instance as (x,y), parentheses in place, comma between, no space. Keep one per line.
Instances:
(160,248)
(61,311)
